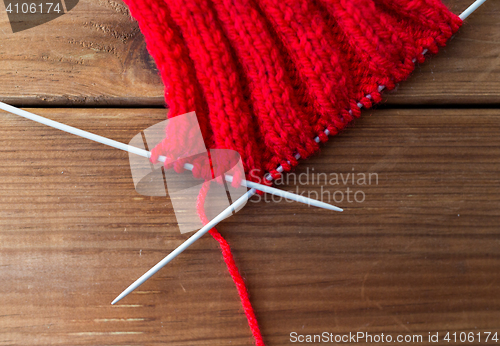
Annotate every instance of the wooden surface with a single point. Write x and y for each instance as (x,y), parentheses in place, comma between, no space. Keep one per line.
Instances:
(96,56)
(420,254)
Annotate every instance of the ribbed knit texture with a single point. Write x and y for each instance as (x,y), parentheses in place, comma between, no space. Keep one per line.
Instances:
(268,77)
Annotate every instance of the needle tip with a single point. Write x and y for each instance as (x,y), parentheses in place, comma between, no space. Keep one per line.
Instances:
(328,206)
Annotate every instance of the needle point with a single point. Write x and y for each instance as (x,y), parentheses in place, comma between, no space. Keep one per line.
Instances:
(224,214)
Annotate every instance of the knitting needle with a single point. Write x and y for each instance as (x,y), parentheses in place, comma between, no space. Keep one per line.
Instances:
(471,9)
(226,213)
(475,5)
(147,154)
(173,254)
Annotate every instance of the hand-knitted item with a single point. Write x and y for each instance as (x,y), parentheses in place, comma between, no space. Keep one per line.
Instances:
(266,77)
(271,78)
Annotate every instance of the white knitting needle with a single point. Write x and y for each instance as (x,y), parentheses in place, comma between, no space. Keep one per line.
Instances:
(226,213)
(464,15)
(184,245)
(147,154)
(471,9)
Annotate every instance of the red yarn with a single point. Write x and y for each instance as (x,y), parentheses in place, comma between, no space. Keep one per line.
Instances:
(231,267)
(268,78)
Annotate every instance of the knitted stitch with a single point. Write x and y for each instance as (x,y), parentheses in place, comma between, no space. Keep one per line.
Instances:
(272,78)
(266,77)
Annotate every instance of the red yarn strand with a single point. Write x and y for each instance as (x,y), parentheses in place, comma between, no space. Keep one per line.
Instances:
(266,77)
(231,267)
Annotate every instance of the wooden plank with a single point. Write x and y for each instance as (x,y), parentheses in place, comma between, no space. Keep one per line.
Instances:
(93,55)
(467,71)
(420,254)
(96,56)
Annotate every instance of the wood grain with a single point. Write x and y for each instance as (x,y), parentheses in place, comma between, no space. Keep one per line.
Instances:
(93,55)
(420,254)
(96,56)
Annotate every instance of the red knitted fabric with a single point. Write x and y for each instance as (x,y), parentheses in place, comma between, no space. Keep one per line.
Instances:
(272,79)
(268,77)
